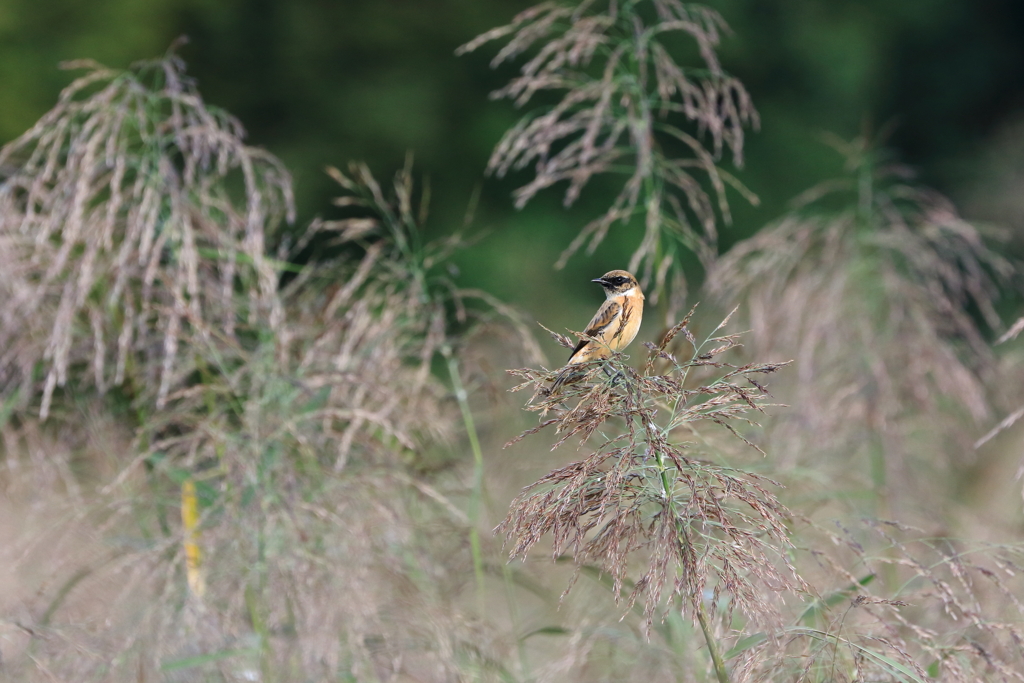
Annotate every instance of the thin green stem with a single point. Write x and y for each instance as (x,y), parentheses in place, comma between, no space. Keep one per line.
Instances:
(478,472)
(698,605)
(713,649)
(681,398)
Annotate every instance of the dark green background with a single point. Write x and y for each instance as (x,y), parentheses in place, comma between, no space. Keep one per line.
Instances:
(319,82)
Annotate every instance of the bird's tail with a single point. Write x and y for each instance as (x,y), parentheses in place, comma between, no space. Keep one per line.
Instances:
(566,375)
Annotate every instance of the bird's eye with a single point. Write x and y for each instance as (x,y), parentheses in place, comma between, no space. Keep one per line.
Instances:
(619,280)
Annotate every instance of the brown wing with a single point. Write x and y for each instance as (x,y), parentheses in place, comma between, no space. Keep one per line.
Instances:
(604,317)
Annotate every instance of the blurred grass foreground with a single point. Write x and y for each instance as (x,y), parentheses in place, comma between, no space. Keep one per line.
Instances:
(235,449)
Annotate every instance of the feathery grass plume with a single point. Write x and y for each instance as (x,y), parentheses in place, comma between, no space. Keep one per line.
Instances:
(129,213)
(710,538)
(876,286)
(359,337)
(627,106)
(903,607)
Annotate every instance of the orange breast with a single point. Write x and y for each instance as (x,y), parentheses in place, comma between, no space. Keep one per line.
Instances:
(613,338)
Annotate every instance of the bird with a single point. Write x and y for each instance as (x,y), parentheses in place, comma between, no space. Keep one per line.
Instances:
(611,329)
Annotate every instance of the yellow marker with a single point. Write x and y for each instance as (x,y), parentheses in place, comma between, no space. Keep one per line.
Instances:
(190,523)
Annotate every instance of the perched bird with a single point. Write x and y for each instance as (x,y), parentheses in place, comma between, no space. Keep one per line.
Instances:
(612,328)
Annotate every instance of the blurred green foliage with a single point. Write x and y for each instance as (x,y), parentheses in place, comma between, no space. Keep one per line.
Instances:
(319,82)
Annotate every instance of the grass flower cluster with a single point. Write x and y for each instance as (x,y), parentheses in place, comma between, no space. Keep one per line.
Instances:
(707,534)
(626,106)
(129,216)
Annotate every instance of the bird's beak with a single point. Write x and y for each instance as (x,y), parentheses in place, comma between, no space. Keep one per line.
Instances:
(598,279)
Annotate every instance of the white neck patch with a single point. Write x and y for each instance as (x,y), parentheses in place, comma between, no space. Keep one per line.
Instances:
(629,292)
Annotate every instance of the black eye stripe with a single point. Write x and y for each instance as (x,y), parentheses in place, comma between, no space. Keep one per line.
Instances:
(616,281)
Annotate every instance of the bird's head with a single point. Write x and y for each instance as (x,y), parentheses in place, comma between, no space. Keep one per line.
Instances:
(617,282)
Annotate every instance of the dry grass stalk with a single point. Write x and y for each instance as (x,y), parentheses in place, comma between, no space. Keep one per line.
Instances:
(703,532)
(904,607)
(353,357)
(627,106)
(873,299)
(130,212)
